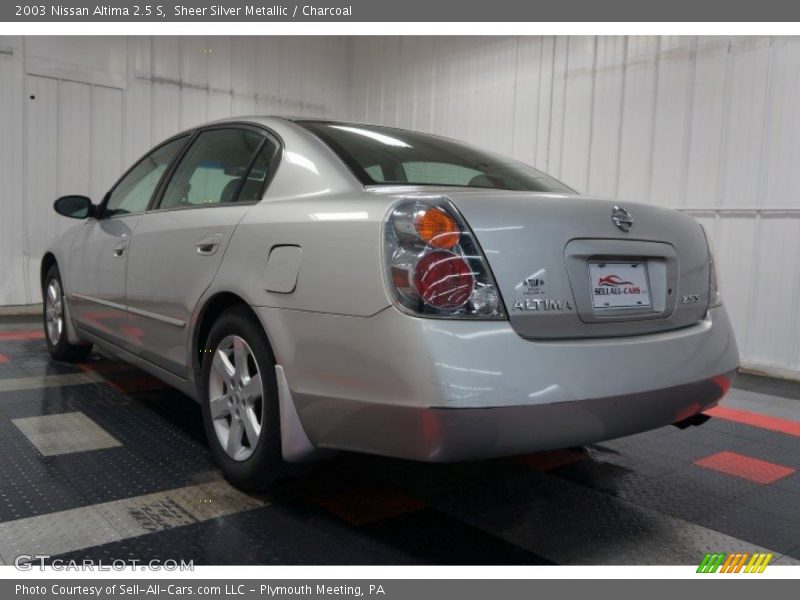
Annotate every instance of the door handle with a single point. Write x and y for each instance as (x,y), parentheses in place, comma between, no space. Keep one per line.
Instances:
(208,244)
(119,249)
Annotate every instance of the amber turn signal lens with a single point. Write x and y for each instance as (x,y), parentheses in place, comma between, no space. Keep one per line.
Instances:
(437,228)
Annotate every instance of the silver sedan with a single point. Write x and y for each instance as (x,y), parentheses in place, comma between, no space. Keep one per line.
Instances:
(323,285)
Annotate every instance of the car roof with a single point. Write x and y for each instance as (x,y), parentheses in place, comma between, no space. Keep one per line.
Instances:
(298,118)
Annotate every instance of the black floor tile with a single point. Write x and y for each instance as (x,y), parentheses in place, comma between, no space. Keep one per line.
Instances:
(755,525)
(790,483)
(737,429)
(30,485)
(711,482)
(280,535)
(783,504)
(766,385)
(434,538)
(786,456)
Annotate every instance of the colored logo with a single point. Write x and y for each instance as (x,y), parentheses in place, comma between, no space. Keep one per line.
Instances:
(614,285)
(612,281)
(720,562)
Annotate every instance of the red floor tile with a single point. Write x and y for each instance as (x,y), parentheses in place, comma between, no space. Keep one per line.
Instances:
(755,419)
(745,467)
(23,334)
(137,383)
(104,367)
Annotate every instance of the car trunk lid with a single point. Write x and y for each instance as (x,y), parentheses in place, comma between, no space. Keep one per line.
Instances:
(565,269)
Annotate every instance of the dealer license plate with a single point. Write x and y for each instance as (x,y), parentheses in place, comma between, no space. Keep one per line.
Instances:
(619,285)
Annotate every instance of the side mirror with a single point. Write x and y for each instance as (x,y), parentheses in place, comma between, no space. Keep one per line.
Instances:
(74,207)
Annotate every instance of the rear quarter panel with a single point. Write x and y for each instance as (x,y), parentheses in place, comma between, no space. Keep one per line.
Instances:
(340,270)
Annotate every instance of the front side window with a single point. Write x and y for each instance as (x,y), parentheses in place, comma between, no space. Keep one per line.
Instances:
(133,192)
(389,156)
(214,169)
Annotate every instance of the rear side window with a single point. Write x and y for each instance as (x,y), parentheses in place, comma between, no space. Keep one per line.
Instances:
(389,156)
(133,192)
(214,169)
(259,173)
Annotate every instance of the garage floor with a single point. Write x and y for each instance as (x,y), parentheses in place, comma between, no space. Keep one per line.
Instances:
(101,461)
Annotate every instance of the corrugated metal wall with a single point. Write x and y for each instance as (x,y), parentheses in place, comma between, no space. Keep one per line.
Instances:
(708,125)
(76,111)
(702,124)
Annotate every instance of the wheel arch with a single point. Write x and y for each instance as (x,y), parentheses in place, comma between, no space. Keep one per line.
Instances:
(295,444)
(213,307)
(48,260)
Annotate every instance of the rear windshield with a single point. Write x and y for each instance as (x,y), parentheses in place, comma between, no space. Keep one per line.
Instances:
(388,156)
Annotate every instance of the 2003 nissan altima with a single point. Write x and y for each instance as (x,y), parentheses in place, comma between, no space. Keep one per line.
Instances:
(325,285)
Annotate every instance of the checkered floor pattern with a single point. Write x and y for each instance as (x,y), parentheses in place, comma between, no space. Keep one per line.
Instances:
(102,461)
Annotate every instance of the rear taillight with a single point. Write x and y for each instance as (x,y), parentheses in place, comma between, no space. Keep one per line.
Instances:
(434,265)
(714,295)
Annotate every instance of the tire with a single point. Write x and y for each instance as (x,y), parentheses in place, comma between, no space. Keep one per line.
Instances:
(236,351)
(54,321)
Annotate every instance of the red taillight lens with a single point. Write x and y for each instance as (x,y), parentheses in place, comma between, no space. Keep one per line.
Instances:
(444,280)
(434,265)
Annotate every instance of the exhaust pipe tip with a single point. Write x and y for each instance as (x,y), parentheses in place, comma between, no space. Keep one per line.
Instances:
(693,421)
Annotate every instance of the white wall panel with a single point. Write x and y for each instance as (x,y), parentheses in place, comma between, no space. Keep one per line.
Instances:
(74,141)
(705,124)
(166,110)
(108,138)
(193,107)
(736,234)
(194,52)
(710,105)
(41,174)
(219,63)
(525,118)
(138,107)
(638,111)
(670,126)
(544,117)
(578,105)
(12,124)
(557,106)
(606,118)
(782,126)
(91,59)
(219,105)
(165,57)
(773,329)
(744,126)
(243,65)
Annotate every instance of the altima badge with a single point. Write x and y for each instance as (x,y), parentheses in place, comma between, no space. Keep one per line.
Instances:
(622,218)
(543,305)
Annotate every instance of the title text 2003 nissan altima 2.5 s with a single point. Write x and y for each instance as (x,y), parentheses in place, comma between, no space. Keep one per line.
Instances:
(323,285)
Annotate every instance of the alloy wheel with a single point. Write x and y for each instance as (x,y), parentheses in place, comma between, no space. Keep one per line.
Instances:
(54,312)
(236,397)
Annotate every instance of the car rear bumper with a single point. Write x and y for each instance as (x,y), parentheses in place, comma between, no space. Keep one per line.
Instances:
(439,390)
(445,435)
